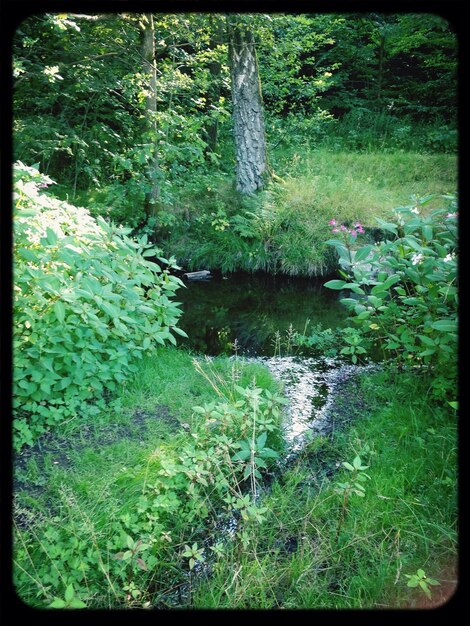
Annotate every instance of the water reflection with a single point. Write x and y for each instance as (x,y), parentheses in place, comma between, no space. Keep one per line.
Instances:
(252,309)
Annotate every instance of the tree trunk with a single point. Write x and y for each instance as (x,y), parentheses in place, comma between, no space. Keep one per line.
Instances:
(380,74)
(150,70)
(215,87)
(248,117)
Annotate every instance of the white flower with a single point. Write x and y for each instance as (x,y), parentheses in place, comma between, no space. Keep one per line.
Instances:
(451,215)
(415,210)
(449,257)
(416,258)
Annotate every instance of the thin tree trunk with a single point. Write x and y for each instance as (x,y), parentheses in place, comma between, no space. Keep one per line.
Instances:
(248,116)
(215,87)
(380,69)
(150,69)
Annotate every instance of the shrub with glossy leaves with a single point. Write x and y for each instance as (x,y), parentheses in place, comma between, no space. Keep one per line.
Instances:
(405,287)
(87,303)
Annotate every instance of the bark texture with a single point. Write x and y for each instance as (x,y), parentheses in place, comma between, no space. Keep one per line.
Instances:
(248,115)
(150,70)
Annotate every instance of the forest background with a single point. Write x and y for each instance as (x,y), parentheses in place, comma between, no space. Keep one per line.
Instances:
(356,108)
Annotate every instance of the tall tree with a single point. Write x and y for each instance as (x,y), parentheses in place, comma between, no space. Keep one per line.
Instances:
(248,115)
(150,70)
(215,85)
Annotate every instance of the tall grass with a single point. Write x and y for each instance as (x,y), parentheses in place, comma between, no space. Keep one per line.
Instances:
(406,521)
(283,228)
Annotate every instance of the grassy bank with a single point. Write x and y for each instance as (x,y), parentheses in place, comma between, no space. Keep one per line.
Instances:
(313,553)
(114,509)
(283,228)
(107,505)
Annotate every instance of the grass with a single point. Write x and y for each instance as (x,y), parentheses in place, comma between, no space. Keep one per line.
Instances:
(79,498)
(80,493)
(406,521)
(283,228)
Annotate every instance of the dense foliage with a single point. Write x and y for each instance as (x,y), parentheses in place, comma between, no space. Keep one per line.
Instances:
(137,453)
(362,82)
(405,289)
(86,304)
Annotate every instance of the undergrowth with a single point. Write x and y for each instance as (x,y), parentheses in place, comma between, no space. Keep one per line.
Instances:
(405,520)
(105,521)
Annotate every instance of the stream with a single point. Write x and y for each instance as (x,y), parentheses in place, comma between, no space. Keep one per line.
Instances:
(257,314)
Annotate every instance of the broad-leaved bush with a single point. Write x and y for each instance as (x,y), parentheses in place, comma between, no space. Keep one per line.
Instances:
(87,304)
(403,290)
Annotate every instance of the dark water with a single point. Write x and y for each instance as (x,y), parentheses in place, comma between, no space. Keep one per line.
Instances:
(253,310)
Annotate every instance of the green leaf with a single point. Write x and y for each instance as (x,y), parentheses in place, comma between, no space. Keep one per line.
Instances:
(376,302)
(51,236)
(179,331)
(261,440)
(427,352)
(362,253)
(269,453)
(335,284)
(427,232)
(348,466)
(354,287)
(242,455)
(111,310)
(387,226)
(444,325)
(357,462)
(425,588)
(69,593)
(57,603)
(77,604)
(247,472)
(59,310)
(391,280)
(412,301)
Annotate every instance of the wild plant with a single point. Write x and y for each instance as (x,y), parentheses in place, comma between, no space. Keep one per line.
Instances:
(405,288)
(352,486)
(87,304)
(422,581)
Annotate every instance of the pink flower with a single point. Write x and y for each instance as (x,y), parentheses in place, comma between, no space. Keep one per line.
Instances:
(332,222)
(343,227)
(335,230)
(353,233)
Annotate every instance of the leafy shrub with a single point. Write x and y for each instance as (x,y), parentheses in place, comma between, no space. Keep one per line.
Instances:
(318,340)
(405,287)
(153,508)
(86,304)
